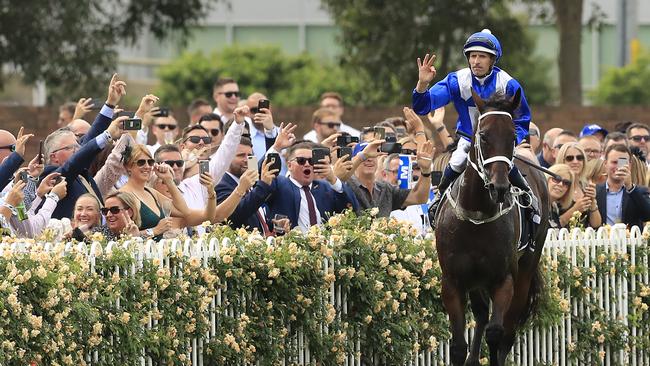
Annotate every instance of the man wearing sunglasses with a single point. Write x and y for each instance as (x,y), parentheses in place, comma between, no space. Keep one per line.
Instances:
(12,155)
(325,122)
(638,135)
(212,123)
(196,137)
(304,200)
(166,131)
(171,155)
(7,144)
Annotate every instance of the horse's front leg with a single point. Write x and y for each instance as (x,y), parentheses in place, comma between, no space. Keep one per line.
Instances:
(480,305)
(501,297)
(454,300)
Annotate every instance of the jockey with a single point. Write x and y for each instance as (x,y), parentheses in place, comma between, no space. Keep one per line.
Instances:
(482,51)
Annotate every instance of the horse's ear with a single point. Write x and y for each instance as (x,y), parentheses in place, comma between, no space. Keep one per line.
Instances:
(480,103)
(515,100)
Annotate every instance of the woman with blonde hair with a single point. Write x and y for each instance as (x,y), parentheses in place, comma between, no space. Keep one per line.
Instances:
(596,171)
(122,214)
(156,209)
(564,205)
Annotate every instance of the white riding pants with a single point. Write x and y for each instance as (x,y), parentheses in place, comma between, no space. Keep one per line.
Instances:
(458,159)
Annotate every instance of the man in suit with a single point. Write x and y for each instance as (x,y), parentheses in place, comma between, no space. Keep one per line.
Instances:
(65,155)
(618,199)
(251,212)
(304,200)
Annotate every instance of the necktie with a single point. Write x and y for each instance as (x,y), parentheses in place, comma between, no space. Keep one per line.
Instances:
(265,226)
(310,205)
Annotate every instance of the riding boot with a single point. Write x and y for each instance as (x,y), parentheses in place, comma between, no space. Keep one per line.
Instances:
(448,177)
(528,200)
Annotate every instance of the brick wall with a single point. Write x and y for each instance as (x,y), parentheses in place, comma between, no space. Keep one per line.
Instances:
(42,120)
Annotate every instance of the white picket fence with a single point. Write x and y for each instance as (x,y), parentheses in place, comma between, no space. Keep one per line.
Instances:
(537,346)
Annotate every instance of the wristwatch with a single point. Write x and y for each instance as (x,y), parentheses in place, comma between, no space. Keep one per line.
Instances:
(149,232)
(52,196)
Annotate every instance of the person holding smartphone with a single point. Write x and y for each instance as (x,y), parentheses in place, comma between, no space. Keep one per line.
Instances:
(618,199)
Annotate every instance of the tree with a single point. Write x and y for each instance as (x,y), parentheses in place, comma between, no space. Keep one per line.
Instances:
(569,24)
(71,44)
(287,80)
(382,39)
(627,85)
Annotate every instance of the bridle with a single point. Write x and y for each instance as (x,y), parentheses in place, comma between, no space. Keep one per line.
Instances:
(477,217)
(481,162)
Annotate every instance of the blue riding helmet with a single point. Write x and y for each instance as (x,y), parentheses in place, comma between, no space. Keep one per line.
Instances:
(483,41)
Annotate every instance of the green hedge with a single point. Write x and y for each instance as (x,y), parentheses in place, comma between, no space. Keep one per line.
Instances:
(56,309)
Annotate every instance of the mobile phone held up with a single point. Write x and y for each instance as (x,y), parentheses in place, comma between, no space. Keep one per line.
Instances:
(40,152)
(343,151)
(162,112)
(132,124)
(318,154)
(263,103)
(276,163)
(391,147)
(622,162)
(204,166)
(252,163)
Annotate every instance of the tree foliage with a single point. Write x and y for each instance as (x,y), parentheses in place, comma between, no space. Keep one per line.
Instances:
(626,85)
(71,44)
(383,49)
(287,80)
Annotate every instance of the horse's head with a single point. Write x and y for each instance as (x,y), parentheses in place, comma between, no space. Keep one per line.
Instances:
(494,142)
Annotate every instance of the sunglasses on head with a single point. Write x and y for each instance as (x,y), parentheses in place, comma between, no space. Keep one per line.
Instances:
(564,182)
(11,147)
(640,138)
(569,158)
(143,162)
(214,131)
(231,94)
(302,160)
(114,210)
(330,124)
(164,126)
(171,163)
(198,139)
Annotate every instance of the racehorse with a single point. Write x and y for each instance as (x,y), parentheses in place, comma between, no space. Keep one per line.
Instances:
(477,231)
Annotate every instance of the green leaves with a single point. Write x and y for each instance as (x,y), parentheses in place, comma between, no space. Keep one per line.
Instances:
(627,85)
(286,80)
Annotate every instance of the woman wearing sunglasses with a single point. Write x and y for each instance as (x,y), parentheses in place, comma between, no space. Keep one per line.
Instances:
(563,203)
(122,214)
(140,166)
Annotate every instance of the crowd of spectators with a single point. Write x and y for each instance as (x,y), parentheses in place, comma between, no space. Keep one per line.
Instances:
(140,173)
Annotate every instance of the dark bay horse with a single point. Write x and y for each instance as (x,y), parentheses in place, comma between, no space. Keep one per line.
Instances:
(476,237)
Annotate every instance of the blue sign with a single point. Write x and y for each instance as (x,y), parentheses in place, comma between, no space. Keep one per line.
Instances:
(404,173)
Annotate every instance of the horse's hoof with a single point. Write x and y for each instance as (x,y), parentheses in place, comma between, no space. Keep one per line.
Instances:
(493,335)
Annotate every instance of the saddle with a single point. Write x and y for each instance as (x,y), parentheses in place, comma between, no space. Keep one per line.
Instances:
(525,221)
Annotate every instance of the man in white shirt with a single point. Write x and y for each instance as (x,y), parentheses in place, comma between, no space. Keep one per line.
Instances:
(333,101)
(226,93)
(164,128)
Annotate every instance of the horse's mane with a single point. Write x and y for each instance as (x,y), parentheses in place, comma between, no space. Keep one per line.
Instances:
(498,101)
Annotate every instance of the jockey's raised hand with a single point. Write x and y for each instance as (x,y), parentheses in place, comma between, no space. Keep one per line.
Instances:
(426,72)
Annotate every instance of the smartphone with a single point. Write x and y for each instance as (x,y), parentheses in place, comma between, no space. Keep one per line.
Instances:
(344,140)
(23,176)
(58,180)
(436,176)
(380,133)
(276,163)
(78,235)
(391,147)
(263,103)
(252,163)
(98,103)
(344,151)
(40,152)
(162,112)
(390,137)
(319,154)
(132,124)
(204,166)
(622,162)
(354,139)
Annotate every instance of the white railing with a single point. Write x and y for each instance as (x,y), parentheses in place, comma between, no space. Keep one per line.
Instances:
(537,346)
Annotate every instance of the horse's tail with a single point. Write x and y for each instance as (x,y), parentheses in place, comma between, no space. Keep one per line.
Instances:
(535,293)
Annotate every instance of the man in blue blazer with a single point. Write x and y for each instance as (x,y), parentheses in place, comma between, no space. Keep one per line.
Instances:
(64,155)
(10,163)
(618,199)
(247,214)
(304,200)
